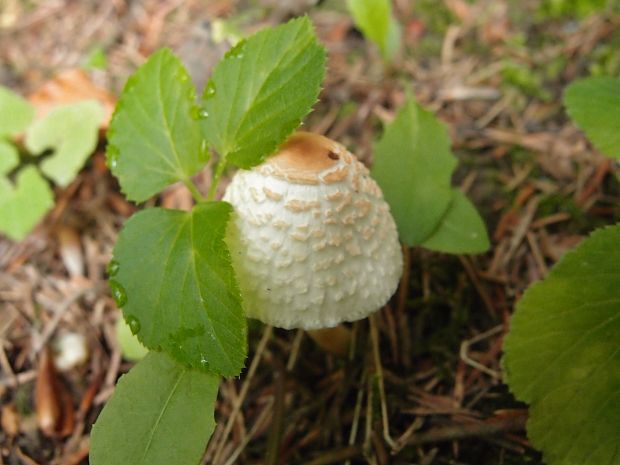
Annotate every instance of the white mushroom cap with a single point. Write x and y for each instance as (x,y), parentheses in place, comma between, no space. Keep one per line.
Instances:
(312,241)
(70,351)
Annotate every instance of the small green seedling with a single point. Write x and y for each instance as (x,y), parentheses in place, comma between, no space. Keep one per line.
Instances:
(54,149)
(172,272)
(374,18)
(562,354)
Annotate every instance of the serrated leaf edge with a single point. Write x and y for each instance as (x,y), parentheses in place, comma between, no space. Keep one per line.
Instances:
(130,84)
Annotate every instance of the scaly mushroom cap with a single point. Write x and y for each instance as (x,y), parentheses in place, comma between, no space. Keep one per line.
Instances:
(312,241)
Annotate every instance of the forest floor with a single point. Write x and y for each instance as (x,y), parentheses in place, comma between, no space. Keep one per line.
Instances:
(423,383)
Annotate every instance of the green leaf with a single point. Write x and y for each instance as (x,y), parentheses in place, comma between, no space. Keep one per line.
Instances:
(160,414)
(413,165)
(562,355)
(71,131)
(9,157)
(461,229)
(15,113)
(594,105)
(177,287)
(22,206)
(261,90)
(96,59)
(154,136)
(374,18)
(131,347)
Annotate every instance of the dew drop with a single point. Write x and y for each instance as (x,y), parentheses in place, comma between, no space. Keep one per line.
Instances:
(195,112)
(118,293)
(210,89)
(134,324)
(204,114)
(113,268)
(236,51)
(112,158)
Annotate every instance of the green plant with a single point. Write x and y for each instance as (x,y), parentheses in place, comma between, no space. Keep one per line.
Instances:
(594,105)
(562,354)
(578,8)
(171,271)
(414,166)
(54,148)
(374,18)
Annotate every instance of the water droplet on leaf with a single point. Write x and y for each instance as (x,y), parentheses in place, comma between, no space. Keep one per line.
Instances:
(210,89)
(134,324)
(112,157)
(113,268)
(118,293)
(237,50)
(204,114)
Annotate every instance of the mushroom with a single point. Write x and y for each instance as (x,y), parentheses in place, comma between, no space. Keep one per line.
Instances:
(312,240)
(70,351)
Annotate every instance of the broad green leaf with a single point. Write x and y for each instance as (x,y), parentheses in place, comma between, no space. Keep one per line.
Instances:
(374,18)
(131,347)
(177,287)
(22,206)
(413,165)
(15,113)
(594,105)
(154,137)
(161,413)
(261,90)
(9,157)
(562,355)
(71,132)
(461,229)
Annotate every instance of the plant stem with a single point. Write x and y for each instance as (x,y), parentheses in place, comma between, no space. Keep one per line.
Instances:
(221,164)
(198,197)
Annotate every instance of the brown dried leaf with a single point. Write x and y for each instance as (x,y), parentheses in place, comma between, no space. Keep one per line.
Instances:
(54,407)
(72,86)
(177,197)
(70,250)
(461,9)
(10,420)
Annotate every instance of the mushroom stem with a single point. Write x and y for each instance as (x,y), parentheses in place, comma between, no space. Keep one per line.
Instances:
(336,340)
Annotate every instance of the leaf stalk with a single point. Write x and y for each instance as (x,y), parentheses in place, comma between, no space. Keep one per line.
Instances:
(219,170)
(198,197)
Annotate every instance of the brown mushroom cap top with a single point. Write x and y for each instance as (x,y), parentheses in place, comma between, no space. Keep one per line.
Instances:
(304,156)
